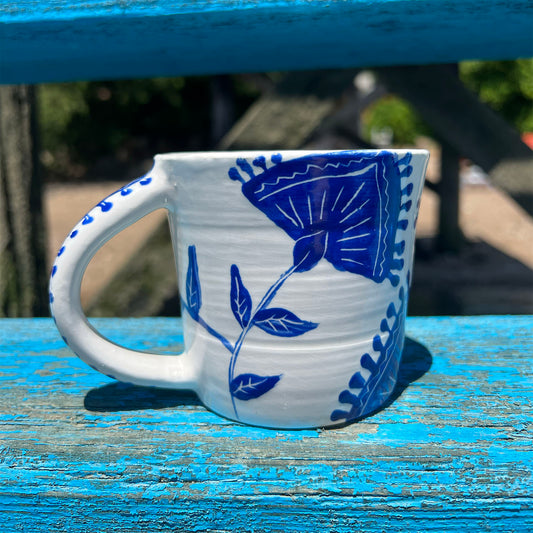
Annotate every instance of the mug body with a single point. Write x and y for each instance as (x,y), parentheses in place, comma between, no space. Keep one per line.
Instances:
(294,272)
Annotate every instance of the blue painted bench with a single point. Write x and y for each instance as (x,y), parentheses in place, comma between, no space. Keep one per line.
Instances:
(54,40)
(80,452)
(454,450)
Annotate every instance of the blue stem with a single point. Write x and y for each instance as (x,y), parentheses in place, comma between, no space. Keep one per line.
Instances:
(208,328)
(267,298)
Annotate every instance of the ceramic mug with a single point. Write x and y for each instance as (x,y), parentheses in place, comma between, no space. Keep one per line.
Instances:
(293,271)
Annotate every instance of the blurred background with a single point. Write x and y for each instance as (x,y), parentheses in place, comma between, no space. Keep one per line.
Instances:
(475,231)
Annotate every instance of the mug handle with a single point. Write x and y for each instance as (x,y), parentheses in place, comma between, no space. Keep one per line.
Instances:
(109,217)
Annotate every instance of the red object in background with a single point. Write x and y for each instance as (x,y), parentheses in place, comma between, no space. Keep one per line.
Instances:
(528,139)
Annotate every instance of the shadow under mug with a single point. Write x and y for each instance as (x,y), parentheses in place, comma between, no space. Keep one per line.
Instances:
(293,269)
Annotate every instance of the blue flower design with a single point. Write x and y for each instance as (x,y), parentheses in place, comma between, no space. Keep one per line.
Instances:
(342,207)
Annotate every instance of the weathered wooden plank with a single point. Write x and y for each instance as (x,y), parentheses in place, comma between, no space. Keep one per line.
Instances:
(467,126)
(55,40)
(80,452)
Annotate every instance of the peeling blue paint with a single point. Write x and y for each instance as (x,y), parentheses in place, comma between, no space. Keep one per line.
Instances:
(81,452)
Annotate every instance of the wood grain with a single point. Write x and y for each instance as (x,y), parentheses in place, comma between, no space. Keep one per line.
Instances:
(55,40)
(454,450)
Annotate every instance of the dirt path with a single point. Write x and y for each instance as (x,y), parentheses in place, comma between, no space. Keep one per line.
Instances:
(65,205)
(493,274)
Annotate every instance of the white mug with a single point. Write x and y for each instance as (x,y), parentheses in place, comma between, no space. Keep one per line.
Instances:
(293,270)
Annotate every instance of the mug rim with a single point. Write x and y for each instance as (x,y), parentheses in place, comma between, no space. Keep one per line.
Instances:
(231,154)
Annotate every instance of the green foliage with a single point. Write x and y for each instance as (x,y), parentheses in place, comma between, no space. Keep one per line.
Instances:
(391,112)
(506,86)
(96,119)
(58,103)
(126,120)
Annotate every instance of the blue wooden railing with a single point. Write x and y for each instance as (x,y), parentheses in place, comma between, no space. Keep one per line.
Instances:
(54,40)
(451,452)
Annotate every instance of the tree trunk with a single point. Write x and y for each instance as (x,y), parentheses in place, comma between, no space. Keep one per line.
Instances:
(450,237)
(23,276)
(222,107)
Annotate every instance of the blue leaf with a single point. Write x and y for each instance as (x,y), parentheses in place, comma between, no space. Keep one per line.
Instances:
(241,301)
(194,294)
(282,323)
(250,386)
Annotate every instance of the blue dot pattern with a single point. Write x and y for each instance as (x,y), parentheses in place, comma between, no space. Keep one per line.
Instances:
(105,206)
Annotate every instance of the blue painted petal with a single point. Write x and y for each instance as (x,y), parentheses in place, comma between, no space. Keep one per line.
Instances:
(357,381)
(352,200)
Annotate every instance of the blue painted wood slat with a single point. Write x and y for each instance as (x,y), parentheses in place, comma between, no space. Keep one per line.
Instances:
(454,450)
(55,40)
